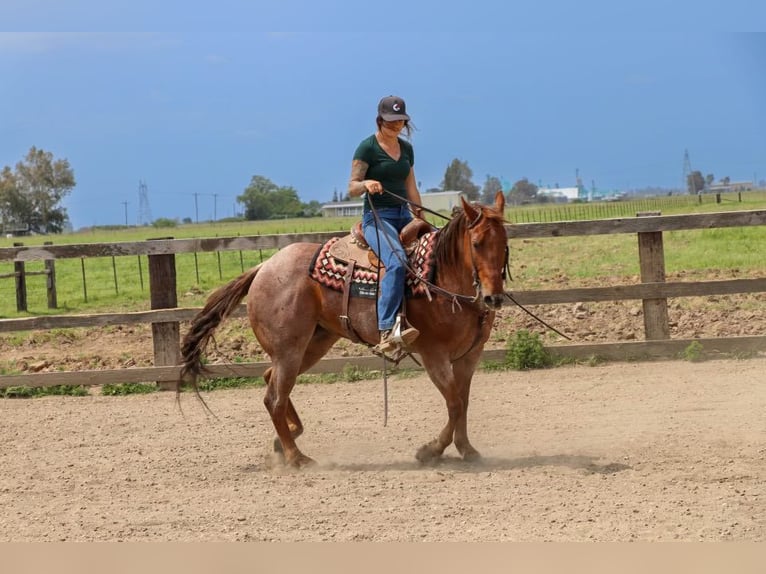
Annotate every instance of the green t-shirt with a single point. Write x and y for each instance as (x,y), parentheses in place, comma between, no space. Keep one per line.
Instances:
(382,167)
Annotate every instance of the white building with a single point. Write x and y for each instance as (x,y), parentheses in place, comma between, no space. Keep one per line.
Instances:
(435,201)
(560,193)
(729,187)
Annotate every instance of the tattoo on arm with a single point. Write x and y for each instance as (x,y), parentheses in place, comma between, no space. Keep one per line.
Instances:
(358,171)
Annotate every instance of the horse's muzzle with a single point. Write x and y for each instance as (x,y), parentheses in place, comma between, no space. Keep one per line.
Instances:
(493,301)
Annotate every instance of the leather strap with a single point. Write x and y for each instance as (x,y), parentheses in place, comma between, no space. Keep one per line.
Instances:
(345,320)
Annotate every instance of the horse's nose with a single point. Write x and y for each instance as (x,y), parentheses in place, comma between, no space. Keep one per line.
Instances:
(493,301)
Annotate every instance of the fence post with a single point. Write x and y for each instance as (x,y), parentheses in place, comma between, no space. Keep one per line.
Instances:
(21,282)
(651,256)
(50,277)
(163,295)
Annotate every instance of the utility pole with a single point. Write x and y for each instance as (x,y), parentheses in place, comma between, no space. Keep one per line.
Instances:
(125,204)
(144,212)
(688,185)
(196,209)
(215,207)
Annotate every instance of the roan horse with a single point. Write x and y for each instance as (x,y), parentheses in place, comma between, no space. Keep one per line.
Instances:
(297,320)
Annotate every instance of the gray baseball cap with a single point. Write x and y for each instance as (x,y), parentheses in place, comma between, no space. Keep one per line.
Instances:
(392,108)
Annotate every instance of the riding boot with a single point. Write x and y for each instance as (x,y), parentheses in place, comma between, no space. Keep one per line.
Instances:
(387,343)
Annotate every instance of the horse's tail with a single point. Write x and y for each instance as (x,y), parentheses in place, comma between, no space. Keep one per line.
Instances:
(219,306)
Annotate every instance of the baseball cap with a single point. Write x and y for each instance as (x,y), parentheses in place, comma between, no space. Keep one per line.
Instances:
(392,108)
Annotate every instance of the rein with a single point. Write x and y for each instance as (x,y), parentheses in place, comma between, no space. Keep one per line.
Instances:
(456,297)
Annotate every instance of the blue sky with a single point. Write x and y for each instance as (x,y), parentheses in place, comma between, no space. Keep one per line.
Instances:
(212,96)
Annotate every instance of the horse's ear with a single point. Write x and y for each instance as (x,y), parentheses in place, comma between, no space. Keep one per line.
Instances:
(500,202)
(470,211)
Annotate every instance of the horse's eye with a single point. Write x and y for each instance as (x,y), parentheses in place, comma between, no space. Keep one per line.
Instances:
(476,244)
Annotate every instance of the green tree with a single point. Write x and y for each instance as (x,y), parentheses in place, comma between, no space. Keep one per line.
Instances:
(312,209)
(31,194)
(695,182)
(523,191)
(257,198)
(263,199)
(491,186)
(457,177)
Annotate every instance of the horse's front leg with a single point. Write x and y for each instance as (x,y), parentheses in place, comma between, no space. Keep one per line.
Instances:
(441,375)
(463,370)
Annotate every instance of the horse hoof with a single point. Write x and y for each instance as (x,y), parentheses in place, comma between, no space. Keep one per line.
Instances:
(428,453)
(278,446)
(302,461)
(472,456)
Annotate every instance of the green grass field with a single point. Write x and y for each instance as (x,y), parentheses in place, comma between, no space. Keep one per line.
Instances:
(122,283)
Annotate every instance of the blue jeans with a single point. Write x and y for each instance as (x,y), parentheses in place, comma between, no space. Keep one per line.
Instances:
(391,253)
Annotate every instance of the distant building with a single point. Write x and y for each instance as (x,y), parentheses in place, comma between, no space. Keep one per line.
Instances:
(435,201)
(342,209)
(441,200)
(732,186)
(14,229)
(562,194)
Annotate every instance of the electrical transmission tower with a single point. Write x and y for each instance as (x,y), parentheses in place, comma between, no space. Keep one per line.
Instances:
(687,171)
(144,213)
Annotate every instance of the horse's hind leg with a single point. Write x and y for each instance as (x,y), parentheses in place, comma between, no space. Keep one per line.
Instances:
(293,421)
(320,343)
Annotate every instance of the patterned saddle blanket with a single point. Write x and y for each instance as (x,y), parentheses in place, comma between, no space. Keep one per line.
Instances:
(331,263)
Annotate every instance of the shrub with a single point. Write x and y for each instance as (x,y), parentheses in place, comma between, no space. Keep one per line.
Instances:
(526,351)
(31,392)
(128,389)
(694,352)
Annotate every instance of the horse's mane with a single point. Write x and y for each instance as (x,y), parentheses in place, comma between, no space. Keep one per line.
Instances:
(450,237)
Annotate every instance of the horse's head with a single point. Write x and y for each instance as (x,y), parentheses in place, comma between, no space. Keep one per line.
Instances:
(486,244)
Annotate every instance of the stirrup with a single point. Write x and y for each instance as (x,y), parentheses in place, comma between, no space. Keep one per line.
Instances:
(403,337)
(395,354)
(387,343)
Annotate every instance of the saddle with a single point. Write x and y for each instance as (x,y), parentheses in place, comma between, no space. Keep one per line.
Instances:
(348,264)
(353,247)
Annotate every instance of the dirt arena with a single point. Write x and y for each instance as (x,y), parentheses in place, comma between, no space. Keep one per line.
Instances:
(625,451)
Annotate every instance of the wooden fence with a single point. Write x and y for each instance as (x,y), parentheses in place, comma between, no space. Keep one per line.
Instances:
(165,317)
(20,274)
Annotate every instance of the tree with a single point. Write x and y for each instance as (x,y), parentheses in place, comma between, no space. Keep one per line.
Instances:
(263,199)
(312,209)
(491,186)
(522,192)
(695,182)
(709,179)
(31,194)
(458,178)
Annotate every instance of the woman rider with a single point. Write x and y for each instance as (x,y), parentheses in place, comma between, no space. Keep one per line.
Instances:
(384,161)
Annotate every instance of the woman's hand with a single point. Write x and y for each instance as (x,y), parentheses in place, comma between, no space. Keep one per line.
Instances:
(373,186)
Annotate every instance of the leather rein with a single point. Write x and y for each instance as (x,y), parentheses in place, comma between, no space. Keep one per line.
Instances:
(457,297)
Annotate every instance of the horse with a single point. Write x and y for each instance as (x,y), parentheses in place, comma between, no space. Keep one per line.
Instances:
(297,320)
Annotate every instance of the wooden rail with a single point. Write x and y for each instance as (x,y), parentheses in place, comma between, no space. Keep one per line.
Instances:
(653,291)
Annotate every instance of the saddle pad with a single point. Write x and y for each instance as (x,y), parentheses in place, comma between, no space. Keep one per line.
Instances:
(330,272)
